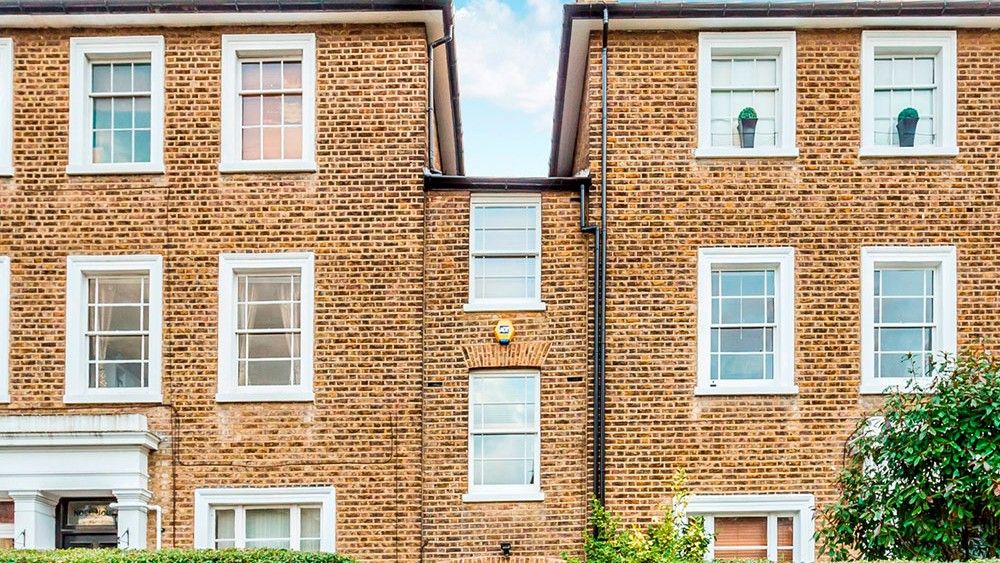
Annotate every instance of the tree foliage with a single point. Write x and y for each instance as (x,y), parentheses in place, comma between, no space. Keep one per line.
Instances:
(674,538)
(922,476)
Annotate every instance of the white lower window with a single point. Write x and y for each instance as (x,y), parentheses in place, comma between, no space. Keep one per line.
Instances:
(4,329)
(746,320)
(757,527)
(907,313)
(300,519)
(265,327)
(114,311)
(504,436)
(6,107)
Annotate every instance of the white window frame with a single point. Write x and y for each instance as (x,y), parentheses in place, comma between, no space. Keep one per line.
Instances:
(264,45)
(229,266)
(919,42)
(780,258)
(799,506)
(507,493)
(77,377)
(6,107)
(487,199)
(4,329)
(206,499)
(81,51)
(750,42)
(944,260)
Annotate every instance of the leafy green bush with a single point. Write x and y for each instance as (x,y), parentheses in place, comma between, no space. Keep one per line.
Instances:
(168,556)
(923,480)
(748,113)
(907,113)
(673,539)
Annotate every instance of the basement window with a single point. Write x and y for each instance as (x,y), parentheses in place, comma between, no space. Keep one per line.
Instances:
(740,71)
(295,518)
(505,253)
(6,107)
(268,103)
(746,321)
(116,105)
(908,70)
(763,527)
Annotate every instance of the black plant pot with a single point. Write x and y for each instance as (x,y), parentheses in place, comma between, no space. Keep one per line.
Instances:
(747,129)
(907,129)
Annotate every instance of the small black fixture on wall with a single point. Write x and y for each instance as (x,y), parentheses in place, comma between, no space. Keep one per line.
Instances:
(505,548)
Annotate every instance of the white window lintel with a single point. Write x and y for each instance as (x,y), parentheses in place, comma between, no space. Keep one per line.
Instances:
(235,46)
(944,260)
(782,258)
(781,43)
(942,43)
(111,48)
(229,266)
(76,386)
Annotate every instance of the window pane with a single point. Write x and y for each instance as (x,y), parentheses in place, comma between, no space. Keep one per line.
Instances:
(117,375)
(281,345)
(500,389)
(266,287)
(903,282)
(225,528)
(251,110)
(271,75)
(272,110)
(269,316)
(272,143)
(100,78)
(293,142)
(117,318)
(268,527)
(741,532)
(292,110)
(749,366)
(121,80)
(267,372)
(141,153)
(251,143)
(785,532)
(293,74)
(742,339)
(102,147)
(902,310)
(721,72)
(141,77)
(250,73)
(123,146)
(102,113)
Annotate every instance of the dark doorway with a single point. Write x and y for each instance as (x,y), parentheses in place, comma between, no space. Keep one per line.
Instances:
(86,522)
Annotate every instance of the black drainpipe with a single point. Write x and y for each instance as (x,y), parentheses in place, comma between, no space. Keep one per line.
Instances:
(430,97)
(601,290)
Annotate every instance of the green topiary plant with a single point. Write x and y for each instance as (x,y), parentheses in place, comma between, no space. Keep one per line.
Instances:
(908,113)
(748,113)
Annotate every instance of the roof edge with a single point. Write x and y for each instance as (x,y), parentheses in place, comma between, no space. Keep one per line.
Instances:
(437,182)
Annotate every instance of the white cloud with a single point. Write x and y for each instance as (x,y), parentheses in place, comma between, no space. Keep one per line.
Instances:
(508,57)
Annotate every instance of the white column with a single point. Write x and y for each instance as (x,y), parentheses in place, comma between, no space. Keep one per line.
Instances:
(132,504)
(34,520)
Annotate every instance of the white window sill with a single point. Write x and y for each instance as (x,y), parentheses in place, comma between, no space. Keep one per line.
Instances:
(892,152)
(894,386)
(746,389)
(478,307)
(106,396)
(265,396)
(514,496)
(736,152)
(132,168)
(268,166)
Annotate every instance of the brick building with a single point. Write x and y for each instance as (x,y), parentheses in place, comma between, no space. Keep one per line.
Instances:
(246,289)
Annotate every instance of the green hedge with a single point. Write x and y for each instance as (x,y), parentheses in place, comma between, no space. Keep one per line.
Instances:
(168,556)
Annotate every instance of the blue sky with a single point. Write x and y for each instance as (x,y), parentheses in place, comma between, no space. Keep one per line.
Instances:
(507,59)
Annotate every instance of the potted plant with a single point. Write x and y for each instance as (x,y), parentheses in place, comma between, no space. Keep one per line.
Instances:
(906,126)
(747,127)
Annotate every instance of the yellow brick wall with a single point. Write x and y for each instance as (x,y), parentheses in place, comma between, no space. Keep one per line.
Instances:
(663,205)
(361,214)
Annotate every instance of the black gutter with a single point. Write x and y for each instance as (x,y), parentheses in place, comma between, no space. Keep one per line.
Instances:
(746,9)
(600,308)
(447,39)
(151,7)
(437,182)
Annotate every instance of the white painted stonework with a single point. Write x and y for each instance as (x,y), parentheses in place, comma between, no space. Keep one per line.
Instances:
(45,458)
